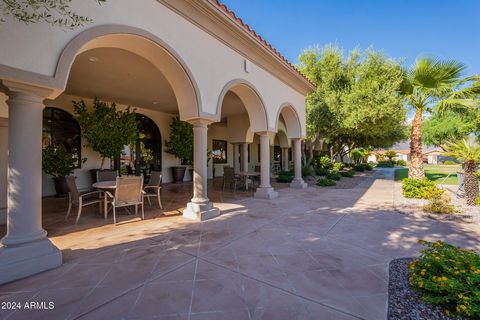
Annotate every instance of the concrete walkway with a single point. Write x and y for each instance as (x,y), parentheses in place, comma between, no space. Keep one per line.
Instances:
(310,254)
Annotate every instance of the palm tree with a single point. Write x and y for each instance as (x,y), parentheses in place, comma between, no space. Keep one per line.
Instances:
(426,84)
(468,152)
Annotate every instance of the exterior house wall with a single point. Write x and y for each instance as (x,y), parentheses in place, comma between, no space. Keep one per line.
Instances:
(212,63)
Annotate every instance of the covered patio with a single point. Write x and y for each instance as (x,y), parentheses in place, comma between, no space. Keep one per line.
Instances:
(249,99)
(308,254)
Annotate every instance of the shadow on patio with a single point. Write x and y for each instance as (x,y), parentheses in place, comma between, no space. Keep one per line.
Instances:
(308,253)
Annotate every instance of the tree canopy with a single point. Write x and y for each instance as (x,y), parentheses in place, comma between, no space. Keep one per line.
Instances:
(442,127)
(357,101)
(54,12)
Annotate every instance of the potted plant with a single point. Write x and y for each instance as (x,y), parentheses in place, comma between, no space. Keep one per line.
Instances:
(180,144)
(59,163)
(106,129)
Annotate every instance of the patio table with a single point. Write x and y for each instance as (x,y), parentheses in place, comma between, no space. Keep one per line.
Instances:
(105,185)
(247,175)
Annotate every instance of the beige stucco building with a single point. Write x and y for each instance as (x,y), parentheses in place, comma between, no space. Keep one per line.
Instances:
(191,58)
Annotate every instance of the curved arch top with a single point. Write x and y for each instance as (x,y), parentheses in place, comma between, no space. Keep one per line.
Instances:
(145,45)
(292,120)
(252,100)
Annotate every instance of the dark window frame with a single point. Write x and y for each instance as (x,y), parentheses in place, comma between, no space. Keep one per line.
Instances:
(54,132)
(225,151)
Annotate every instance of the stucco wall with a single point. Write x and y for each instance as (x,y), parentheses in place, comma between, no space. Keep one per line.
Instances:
(212,63)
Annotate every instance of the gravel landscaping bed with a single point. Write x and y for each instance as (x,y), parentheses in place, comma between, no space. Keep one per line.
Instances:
(344,183)
(403,302)
(465,213)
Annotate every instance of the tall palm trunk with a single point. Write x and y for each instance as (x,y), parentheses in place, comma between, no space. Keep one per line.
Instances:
(416,155)
(470,183)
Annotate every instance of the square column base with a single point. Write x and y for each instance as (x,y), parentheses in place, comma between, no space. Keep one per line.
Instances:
(28,259)
(200,211)
(298,184)
(266,193)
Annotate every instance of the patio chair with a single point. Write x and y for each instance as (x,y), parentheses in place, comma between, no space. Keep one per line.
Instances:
(128,192)
(229,178)
(75,198)
(152,189)
(106,175)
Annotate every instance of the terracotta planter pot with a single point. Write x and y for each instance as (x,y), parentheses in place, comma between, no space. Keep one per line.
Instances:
(178,173)
(61,188)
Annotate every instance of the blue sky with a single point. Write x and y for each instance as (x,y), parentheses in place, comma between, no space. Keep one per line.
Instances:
(404,29)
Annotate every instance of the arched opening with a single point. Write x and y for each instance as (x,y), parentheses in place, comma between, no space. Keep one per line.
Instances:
(60,128)
(287,115)
(145,154)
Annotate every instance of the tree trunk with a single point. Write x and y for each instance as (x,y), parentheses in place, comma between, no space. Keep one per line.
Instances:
(470,183)
(416,155)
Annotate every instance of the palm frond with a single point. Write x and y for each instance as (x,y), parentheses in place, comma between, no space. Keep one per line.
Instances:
(430,72)
(464,150)
(458,105)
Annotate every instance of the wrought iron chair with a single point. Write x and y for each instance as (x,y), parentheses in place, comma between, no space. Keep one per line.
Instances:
(75,198)
(128,192)
(152,189)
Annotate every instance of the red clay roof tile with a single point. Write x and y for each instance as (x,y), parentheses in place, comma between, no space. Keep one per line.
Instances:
(239,21)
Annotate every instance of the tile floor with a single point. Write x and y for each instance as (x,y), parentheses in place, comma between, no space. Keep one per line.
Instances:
(310,254)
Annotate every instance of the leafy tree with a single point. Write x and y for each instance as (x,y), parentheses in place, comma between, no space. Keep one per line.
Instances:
(356,103)
(432,83)
(106,129)
(180,142)
(468,152)
(54,12)
(442,127)
(390,154)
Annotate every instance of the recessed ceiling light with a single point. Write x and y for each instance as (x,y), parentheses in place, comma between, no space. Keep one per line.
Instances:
(155,102)
(93,59)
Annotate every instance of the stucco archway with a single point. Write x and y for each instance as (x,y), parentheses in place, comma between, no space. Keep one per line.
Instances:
(145,45)
(252,101)
(291,119)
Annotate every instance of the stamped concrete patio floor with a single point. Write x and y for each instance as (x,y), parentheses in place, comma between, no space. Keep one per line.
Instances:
(310,254)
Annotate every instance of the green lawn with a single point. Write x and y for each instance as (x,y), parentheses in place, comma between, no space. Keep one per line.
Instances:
(434,173)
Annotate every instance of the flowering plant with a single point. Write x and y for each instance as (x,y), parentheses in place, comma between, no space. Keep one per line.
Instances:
(448,276)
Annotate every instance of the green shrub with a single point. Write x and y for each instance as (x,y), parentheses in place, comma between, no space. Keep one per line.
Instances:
(401,163)
(390,154)
(440,205)
(367,166)
(321,171)
(325,182)
(347,174)
(449,277)
(449,163)
(338,166)
(386,164)
(287,173)
(359,168)
(332,175)
(420,189)
(324,162)
(284,178)
(306,171)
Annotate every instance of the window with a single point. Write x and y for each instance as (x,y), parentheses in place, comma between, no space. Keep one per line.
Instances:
(219,151)
(60,127)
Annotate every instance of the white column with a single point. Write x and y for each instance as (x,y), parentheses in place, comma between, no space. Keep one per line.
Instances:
(236,164)
(285,159)
(244,165)
(265,191)
(298,182)
(200,208)
(25,250)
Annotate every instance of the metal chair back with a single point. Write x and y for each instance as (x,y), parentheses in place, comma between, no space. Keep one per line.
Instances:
(155,179)
(128,190)
(107,175)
